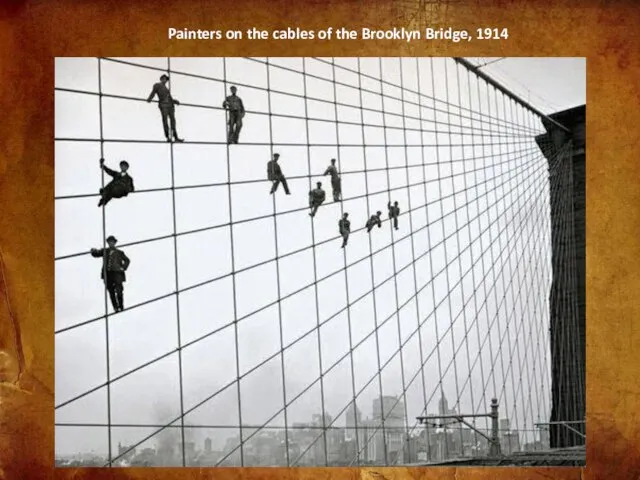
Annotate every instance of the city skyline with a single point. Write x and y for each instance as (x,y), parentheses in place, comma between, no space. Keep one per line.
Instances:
(445,444)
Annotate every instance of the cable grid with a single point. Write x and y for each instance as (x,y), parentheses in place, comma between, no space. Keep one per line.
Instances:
(249,336)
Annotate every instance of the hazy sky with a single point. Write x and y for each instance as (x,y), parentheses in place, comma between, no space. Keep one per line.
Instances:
(459,293)
(549,84)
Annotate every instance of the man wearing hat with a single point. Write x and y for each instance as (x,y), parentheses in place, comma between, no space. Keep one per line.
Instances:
(335,180)
(167,107)
(120,186)
(344,226)
(233,104)
(316,197)
(114,265)
(374,220)
(274,174)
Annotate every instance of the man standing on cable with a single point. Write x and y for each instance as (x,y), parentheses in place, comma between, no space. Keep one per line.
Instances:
(120,186)
(344,226)
(233,104)
(275,175)
(114,265)
(316,197)
(335,180)
(394,212)
(167,104)
(374,220)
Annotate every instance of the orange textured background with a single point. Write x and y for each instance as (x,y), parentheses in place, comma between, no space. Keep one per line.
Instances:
(33,33)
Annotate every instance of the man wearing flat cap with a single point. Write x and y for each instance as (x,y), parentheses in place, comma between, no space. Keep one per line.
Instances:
(120,186)
(233,104)
(166,103)
(274,173)
(114,266)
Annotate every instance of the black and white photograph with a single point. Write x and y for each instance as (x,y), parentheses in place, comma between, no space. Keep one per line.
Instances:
(309,262)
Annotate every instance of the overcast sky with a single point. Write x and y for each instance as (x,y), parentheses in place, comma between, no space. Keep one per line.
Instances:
(549,84)
(477,206)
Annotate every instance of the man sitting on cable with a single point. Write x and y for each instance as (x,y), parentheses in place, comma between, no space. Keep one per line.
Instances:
(374,220)
(120,186)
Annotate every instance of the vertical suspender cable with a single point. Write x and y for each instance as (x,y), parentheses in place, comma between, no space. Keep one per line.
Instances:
(375,314)
(504,404)
(477,309)
(315,265)
(104,270)
(433,291)
(177,283)
(344,257)
(393,248)
(533,313)
(482,262)
(446,253)
(233,275)
(462,289)
(410,215)
(516,312)
(275,234)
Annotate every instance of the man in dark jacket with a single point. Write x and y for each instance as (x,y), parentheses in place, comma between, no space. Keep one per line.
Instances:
(233,104)
(120,186)
(335,180)
(114,265)
(394,212)
(166,103)
(374,220)
(274,174)
(344,226)
(316,197)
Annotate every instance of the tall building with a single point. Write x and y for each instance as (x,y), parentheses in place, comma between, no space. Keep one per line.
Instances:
(390,408)
(505,425)
(128,455)
(509,442)
(354,420)
(389,411)
(443,406)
